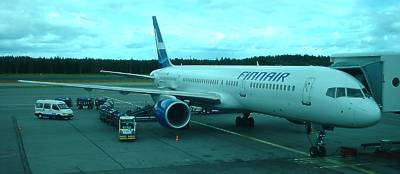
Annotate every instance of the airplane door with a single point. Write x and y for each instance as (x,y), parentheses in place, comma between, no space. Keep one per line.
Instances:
(242,91)
(306,97)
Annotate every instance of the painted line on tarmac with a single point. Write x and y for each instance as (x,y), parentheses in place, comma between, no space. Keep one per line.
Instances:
(337,163)
(339,166)
(321,166)
(21,147)
(252,138)
(96,145)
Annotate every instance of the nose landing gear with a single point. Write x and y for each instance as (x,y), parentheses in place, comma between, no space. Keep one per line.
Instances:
(245,121)
(318,147)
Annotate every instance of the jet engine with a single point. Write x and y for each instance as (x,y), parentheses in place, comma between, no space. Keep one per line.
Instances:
(172,113)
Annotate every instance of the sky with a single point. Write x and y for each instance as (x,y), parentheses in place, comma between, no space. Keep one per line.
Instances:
(204,29)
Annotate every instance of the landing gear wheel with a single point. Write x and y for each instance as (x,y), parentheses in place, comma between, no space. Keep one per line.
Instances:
(239,121)
(247,122)
(322,151)
(317,147)
(308,128)
(250,122)
(313,151)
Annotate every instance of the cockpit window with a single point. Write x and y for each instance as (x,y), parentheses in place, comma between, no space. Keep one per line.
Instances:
(351,92)
(331,92)
(366,92)
(340,92)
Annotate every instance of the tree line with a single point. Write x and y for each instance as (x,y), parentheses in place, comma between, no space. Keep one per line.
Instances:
(59,65)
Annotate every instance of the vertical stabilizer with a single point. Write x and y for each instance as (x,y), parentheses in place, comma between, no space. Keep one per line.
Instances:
(163,59)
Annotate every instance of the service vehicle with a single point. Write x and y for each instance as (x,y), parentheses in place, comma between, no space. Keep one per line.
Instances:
(53,109)
(109,116)
(103,112)
(83,102)
(127,128)
(116,117)
(100,101)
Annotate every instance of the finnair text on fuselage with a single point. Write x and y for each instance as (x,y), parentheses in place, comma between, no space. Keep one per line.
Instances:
(263,76)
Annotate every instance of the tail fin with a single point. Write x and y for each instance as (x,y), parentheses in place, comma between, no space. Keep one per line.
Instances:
(163,59)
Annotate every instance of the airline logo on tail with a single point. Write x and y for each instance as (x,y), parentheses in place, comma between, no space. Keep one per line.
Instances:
(163,59)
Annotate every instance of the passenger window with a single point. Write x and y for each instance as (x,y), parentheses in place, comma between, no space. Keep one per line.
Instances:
(47,106)
(340,92)
(331,92)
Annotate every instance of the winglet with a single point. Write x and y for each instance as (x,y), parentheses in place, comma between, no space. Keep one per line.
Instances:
(163,59)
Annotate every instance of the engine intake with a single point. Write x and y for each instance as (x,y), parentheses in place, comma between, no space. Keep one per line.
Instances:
(172,113)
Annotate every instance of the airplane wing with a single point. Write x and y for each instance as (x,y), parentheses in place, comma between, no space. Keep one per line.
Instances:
(210,97)
(130,75)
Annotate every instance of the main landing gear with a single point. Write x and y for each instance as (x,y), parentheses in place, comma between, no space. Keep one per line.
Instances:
(317,148)
(245,121)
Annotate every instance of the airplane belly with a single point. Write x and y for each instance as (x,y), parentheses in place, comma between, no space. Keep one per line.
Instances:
(266,103)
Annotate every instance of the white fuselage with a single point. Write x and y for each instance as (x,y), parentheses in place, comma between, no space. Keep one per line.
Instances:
(292,92)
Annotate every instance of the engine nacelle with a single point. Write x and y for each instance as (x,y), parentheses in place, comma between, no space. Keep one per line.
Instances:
(172,113)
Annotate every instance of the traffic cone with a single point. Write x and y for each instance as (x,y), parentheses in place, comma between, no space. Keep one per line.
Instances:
(177,138)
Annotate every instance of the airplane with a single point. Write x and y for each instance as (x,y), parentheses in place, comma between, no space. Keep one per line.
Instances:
(321,98)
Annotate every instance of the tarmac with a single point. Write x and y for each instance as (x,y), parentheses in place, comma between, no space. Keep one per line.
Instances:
(212,144)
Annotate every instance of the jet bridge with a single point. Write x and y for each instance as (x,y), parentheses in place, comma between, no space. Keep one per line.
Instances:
(379,73)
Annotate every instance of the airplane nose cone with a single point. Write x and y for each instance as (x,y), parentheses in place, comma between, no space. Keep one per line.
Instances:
(367,114)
